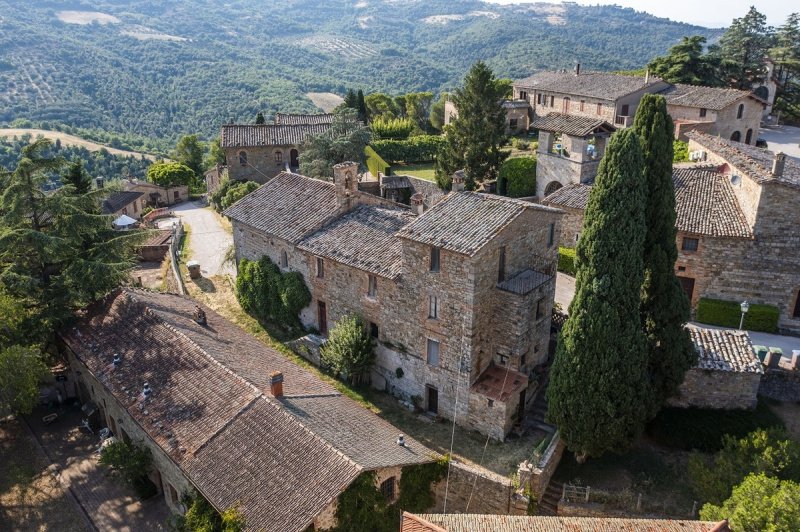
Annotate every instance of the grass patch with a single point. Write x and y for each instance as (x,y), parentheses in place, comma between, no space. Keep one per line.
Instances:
(702,429)
(423,170)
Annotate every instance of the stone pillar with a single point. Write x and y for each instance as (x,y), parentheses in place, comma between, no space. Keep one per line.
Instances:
(345,179)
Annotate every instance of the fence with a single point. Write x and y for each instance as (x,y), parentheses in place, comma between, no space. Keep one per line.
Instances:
(583,501)
(155,214)
(177,234)
(574,493)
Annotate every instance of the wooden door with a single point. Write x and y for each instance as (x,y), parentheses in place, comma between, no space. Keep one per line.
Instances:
(433,400)
(294,159)
(687,283)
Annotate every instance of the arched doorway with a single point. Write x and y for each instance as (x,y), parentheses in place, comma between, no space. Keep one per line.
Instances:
(294,158)
(748,137)
(736,137)
(552,187)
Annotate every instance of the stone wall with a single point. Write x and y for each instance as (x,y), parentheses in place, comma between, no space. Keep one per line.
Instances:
(781,385)
(520,114)
(115,417)
(727,123)
(262,162)
(537,476)
(492,493)
(571,227)
(725,390)
(551,167)
(327,518)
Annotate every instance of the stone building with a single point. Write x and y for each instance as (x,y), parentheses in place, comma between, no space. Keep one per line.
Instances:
(518,119)
(259,152)
(738,225)
(226,415)
(603,96)
(156,195)
(127,202)
(728,113)
(569,151)
(458,296)
(727,374)
(215,176)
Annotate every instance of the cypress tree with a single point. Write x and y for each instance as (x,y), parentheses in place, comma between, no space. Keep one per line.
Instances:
(473,139)
(665,307)
(350,99)
(598,384)
(361,106)
(77,177)
(260,118)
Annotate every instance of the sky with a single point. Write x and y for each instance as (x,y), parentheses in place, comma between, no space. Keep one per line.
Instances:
(711,13)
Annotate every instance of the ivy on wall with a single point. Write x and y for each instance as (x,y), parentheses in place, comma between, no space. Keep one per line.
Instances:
(269,294)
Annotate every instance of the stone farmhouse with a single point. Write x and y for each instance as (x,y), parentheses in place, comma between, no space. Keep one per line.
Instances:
(543,523)
(127,202)
(156,195)
(737,220)
(458,296)
(259,152)
(226,415)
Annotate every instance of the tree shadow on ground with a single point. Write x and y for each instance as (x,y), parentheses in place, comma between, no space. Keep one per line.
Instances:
(205,284)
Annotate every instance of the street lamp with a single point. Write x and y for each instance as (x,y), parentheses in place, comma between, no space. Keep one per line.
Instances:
(745,306)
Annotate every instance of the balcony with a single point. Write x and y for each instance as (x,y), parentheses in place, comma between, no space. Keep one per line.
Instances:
(623,120)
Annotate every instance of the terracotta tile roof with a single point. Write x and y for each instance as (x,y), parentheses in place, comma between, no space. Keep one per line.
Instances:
(756,162)
(363,238)
(539,523)
(573,196)
(249,135)
(499,383)
(579,126)
(118,200)
(294,119)
(161,237)
(725,350)
(600,85)
(715,98)
(282,460)
(705,204)
(466,221)
(289,206)
(524,282)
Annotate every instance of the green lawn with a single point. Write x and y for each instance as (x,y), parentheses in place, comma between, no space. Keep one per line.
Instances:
(423,171)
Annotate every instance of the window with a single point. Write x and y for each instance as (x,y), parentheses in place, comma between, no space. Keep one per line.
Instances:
(540,309)
(243,158)
(372,290)
(173,493)
(501,267)
(435,259)
(551,235)
(387,489)
(136,207)
(748,138)
(736,136)
(796,312)
(582,104)
(552,101)
(433,353)
(512,123)
(740,111)
(599,108)
(320,268)
(522,359)
(176,195)
(491,403)
(681,268)
(565,105)
(539,98)
(689,244)
(284,259)
(278,157)
(373,330)
(702,112)
(523,95)
(433,307)
(125,211)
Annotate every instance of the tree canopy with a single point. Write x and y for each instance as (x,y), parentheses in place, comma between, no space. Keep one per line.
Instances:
(598,394)
(189,151)
(77,177)
(20,371)
(686,62)
(169,174)
(350,349)
(344,141)
(743,48)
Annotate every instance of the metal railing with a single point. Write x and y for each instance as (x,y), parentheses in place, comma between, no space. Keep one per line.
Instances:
(574,493)
(177,234)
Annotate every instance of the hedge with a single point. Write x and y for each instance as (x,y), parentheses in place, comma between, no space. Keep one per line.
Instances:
(728,313)
(375,163)
(566,260)
(517,178)
(419,149)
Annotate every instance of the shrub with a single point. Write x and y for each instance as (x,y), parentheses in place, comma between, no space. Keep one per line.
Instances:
(420,149)
(759,503)
(517,177)
(680,151)
(392,128)
(237,191)
(703,429)
(375,164)
(132,463)
(268,294)
(168,174)
(728,314)
(520,144)
(200,516)
(350,350)
(566,261)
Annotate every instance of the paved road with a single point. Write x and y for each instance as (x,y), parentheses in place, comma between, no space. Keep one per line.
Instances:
(208,239)
(782,138)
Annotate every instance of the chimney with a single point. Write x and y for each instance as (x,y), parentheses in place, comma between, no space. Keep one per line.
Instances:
(401,441)
(778,162)
(345,180)
(458,181)
(117,360)
(418,203)
(276,384)
(147,390)
(577,69)
(99,181)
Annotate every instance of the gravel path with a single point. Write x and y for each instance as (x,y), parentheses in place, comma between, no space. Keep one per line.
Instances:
(209,241)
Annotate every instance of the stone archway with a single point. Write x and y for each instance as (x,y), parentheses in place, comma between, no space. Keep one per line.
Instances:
(748,138)
(552,186)
(736,136)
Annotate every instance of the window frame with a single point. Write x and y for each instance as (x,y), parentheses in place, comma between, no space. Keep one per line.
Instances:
(540,303)
(740,112)
(320,268)
(501,265)
(284,259)
(435,259)
(690,244)
(703,112)
(513,123)
(388,489)
(583,103)
(428,352)
(599,108)
(242,158)
(433,307)
(372,286)
(551,234)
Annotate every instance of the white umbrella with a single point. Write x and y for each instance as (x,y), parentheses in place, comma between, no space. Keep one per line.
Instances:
(124,221)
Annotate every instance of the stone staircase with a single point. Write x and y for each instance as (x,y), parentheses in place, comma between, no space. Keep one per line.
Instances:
(549,503)
(535,416)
